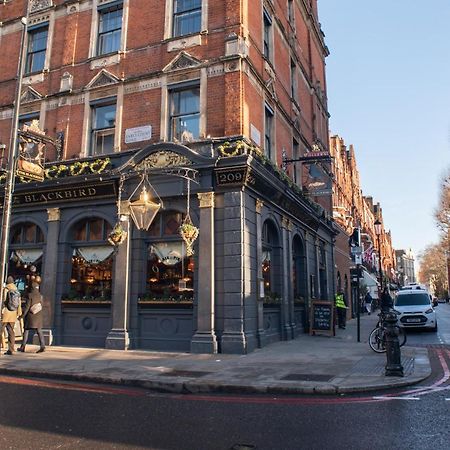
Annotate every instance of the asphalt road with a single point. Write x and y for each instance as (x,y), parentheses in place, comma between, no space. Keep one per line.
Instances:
(46,414)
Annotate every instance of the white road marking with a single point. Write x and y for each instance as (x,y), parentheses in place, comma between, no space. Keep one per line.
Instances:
(395,398)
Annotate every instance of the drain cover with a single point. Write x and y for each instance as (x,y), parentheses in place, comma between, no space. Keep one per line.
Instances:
(307,377)
(185,373)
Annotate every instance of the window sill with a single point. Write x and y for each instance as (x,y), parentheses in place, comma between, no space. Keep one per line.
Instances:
(182,42)
(33,78)
(185,304)
(108,59)
(78,303)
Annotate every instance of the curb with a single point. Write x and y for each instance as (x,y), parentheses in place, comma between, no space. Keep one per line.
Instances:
(192,387)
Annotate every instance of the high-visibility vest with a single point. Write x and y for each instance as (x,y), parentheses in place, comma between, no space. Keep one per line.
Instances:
(340,301)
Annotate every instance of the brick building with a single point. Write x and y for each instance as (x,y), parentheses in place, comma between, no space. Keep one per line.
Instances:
(352,209)
(202,99)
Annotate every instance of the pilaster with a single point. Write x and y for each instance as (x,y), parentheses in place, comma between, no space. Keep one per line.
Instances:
(204,339)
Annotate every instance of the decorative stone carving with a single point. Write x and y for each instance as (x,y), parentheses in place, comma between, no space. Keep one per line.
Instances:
(182,61)
(30,95)
(54,214)
(165,159)
(103,78)
(66,82)
(206,199)
(259,205)
(39,5)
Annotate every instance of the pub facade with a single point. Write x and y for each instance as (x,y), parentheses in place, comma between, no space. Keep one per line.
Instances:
(209,105)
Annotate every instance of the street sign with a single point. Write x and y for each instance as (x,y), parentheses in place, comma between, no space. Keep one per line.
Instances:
(356,250)
(358,259)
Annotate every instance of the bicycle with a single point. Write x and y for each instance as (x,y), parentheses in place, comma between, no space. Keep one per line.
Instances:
(377,337)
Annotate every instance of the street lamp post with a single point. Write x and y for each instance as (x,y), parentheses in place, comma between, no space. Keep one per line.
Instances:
(12,161)
(377,225)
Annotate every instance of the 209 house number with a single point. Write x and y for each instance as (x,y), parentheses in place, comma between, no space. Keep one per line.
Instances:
(236,176)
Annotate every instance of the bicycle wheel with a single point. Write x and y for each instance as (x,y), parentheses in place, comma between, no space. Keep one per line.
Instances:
(376,340)
(401,336)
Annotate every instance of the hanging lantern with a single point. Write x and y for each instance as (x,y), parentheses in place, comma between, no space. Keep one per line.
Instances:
(144,210)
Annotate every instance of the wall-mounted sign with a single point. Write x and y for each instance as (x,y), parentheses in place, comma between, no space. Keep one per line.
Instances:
(30,170)
(315,156)
(63,194)
(231,177)
(138,134)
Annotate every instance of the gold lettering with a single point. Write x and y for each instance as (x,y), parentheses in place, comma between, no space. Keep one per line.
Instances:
(92,191)
(68,194)
(51,196)
(28,198)
(59,195)
(82,193)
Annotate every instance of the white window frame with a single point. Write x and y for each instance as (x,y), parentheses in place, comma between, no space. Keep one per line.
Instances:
(96,6)
(168,23)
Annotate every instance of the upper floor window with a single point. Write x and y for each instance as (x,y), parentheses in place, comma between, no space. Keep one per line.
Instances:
(186,17)
(37,44)
(291,11)
(103,128)
(267,35)
(109,29)
(293,80)
(268,130)
(185,113)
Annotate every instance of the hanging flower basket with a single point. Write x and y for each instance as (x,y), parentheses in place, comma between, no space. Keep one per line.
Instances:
(117,235)
(189,233)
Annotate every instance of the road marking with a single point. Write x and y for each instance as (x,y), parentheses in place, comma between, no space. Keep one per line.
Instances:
(395,398)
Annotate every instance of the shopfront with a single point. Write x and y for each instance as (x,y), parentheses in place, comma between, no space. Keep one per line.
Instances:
(260,254)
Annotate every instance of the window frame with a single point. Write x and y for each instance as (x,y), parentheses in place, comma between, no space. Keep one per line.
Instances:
(176,16)
(268,130)
(174,116)
(102,11)
(267,35)
(31,53)
(97,131)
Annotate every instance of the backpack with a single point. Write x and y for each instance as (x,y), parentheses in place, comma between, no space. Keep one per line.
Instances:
(13,300)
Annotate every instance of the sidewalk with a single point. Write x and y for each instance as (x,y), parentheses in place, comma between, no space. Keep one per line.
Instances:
(307,365)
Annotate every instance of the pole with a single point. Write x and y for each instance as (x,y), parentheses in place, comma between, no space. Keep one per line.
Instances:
(379,262)
(12,163)
(358,308)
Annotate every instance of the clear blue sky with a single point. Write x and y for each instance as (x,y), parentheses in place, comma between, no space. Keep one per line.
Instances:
(388,77)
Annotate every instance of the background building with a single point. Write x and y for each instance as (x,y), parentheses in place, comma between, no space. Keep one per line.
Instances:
(405,266)
(206,98)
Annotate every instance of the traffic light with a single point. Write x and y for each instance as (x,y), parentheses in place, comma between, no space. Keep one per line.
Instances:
(355,238)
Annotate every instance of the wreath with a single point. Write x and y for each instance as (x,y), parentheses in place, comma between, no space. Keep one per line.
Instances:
(227,150)
(55,171)
(78,168)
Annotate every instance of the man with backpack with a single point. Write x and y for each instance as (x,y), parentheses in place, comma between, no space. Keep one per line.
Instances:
(11,310)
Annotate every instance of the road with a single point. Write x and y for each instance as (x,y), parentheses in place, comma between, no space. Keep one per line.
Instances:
(47,414)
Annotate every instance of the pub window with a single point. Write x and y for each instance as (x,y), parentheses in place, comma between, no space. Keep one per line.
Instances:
(92,259)
(184,112)
(270,263)
(109,29)
(103,119)
(186,17)
(170,273)
(26,251)
(36,47)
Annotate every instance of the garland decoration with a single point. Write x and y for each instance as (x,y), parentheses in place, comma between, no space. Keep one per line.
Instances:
(188,231)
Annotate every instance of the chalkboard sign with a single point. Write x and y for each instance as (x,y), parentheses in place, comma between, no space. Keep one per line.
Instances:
(322,317)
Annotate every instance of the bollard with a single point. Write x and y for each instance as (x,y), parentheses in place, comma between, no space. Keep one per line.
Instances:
(394,366)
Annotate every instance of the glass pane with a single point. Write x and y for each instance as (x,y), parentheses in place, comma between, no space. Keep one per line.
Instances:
(16,235)
(79,232)
(109,42)
(172,222)
(37,61)
(29,234)
(105,116)
(186,5)
(186,128)
(38,40)
(90,281)
(186,101)
(104,143)
(96,230)
(111,20)
(187,23)
(39,235)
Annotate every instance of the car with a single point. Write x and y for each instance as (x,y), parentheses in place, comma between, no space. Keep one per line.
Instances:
(441,300)
(414,309)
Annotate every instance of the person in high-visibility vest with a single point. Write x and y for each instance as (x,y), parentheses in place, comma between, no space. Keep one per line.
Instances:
(341,308)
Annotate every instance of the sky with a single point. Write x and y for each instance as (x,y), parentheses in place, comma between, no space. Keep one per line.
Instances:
(388,85)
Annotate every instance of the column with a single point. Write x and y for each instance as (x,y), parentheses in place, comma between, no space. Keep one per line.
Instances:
(260,333)
(287,305)
(118,338)
(48,287)
(204,339)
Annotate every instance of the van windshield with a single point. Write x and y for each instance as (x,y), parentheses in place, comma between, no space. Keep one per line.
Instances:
(412,299)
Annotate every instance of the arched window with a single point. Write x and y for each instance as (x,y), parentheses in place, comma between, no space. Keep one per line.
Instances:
(26,250)
(298,269)
(271,269)
(170,273)
(92,259)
